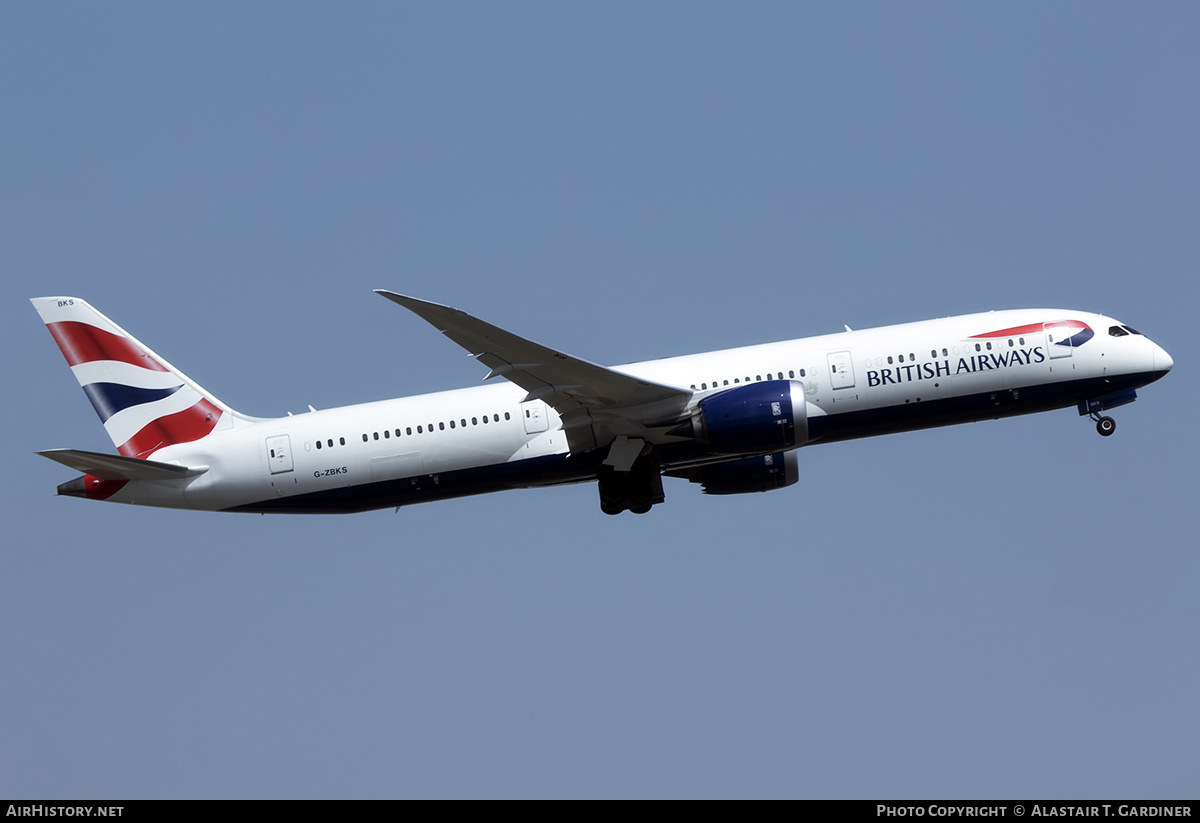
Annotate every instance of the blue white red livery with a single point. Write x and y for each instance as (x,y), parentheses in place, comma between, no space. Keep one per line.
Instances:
(731,420)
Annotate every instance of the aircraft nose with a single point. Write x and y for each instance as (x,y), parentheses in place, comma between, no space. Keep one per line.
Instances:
(1162,360)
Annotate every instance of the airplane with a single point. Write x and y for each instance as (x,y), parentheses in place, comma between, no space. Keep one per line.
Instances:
(731,421)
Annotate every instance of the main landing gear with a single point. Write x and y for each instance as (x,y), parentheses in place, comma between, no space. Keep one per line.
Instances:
(1105,425)
(637,489)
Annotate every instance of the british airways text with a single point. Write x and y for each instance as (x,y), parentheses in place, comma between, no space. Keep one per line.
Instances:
(945,367)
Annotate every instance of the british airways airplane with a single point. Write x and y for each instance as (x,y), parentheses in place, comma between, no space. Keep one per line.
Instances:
(729,420)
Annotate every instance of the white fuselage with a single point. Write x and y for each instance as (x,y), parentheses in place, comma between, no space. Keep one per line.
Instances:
(855,383)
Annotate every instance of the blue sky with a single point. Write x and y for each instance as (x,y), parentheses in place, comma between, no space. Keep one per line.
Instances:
(1004,609)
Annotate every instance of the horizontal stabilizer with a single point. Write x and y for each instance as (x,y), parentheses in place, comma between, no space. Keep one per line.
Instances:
(116,467)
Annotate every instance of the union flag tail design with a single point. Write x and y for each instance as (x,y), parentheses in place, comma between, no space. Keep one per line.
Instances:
(142,400)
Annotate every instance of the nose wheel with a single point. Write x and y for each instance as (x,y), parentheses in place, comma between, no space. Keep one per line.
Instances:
(1105,425)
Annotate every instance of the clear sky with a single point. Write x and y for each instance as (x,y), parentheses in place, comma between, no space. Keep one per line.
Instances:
(1004,609)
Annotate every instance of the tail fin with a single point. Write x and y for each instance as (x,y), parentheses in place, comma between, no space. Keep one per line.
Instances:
(143,401)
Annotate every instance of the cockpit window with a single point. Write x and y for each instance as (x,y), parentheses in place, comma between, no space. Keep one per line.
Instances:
(1116,331)
(1131,330)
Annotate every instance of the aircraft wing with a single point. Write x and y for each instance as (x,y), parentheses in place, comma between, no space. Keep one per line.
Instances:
(581,392)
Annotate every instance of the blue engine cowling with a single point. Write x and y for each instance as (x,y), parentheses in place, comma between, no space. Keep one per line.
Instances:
(750,474)
(759,417)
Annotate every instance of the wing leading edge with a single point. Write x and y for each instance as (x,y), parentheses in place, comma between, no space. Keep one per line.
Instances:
(597,404)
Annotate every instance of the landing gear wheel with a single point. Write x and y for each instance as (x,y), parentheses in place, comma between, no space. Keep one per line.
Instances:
(1106,426)
(637,490)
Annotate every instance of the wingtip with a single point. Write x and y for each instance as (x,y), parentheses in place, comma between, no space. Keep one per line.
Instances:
(415,304)
(391,295)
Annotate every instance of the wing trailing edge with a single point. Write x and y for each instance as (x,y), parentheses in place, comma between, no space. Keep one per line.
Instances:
(597,404)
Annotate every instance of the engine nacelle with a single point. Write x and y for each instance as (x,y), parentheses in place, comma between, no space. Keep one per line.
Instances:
(757,417)
(750,474)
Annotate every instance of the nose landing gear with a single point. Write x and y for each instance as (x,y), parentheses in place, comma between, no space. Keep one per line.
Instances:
(1105,425)
(1092,408)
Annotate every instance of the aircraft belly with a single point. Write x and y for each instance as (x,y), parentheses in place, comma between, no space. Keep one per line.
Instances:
(538,471)
(966,408)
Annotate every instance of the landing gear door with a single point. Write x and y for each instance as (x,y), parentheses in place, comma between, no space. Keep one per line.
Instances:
(534,414)
(841,370)
(279,454)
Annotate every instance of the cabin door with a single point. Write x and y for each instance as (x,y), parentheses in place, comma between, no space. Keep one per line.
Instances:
(279,454)
(841,370)
(534,414)
(1058,339)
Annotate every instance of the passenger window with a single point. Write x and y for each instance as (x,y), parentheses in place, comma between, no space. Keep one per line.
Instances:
(318,444)
(365,438)
(387,435)
(408,430)
(475,421)
(506,417)
(420,430)
(376,435)
(791,373)
(341,440)
(451,424)
(441,427)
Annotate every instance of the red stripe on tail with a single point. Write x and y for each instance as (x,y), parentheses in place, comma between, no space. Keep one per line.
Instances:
(81,343)
(181,427)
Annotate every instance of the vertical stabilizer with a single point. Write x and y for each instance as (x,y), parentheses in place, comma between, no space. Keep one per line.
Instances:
(143,401)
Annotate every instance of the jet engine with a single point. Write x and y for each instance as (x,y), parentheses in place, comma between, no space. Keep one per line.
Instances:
(759,417)
(750,474)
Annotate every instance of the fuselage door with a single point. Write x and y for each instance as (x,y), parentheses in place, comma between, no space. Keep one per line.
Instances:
(534,414)
(279,454)
(1058,339)
(841,370)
